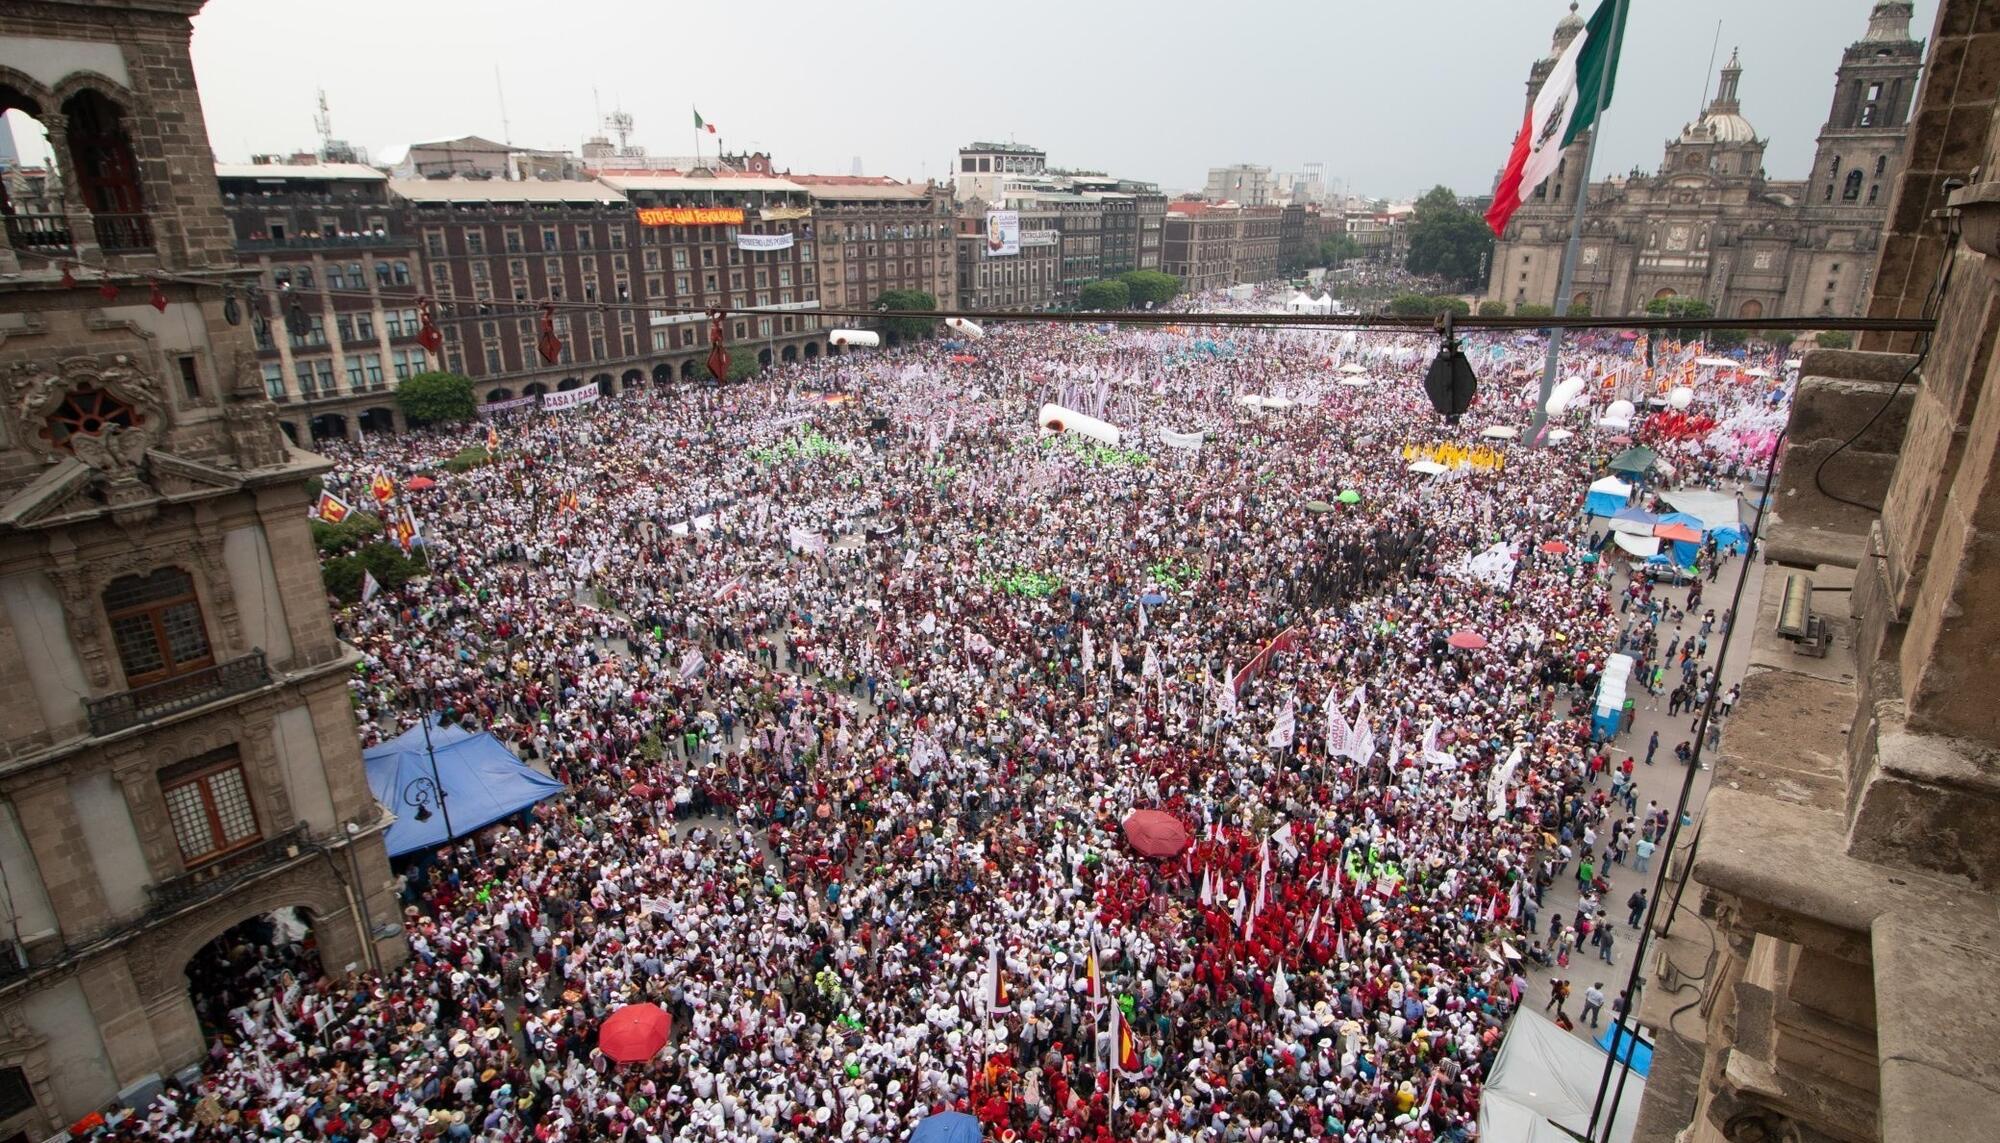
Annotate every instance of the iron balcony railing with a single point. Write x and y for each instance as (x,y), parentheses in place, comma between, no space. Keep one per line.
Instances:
(114,713)
(39,233)
(324,242)
(118,233)
(226,872)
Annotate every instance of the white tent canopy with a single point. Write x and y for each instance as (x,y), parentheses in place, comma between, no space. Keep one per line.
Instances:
(1545,1076)
(1500,432)
(1645,547)
(1614,486)
(1428,467)
(1353,367)
(1714,509)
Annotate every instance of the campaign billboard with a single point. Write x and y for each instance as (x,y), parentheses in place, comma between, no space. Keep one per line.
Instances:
(1003,232)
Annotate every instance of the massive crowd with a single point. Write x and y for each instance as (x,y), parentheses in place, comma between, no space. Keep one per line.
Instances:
(852,675)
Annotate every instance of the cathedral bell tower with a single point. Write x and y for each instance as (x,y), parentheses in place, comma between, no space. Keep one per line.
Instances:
(1861,146)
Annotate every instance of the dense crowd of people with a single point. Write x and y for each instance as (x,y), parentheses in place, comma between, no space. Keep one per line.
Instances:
(852,675)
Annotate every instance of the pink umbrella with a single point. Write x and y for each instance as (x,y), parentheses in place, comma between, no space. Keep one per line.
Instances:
(1467,640)
(1555,547)
(419,483)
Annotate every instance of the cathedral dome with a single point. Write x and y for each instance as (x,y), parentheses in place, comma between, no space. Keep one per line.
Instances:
(1727,127)
(1567,29)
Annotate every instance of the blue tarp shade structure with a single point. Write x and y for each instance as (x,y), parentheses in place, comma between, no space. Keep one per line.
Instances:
(1629,1044)
(482,779)
(947,1127)
(1684,552)
(1608,497)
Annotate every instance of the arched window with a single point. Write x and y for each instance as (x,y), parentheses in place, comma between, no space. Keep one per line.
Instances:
(100,150)
(1852,190)
(88,411)
(1750,309)
(156,625)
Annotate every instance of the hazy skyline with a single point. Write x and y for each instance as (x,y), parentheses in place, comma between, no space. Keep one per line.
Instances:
(1391,105)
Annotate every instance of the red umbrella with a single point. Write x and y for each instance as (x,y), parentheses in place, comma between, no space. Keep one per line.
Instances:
(1555,547)
(642,791)
(1156,833)
(1467,640)
(963,359)
(419,483)
(635,1032)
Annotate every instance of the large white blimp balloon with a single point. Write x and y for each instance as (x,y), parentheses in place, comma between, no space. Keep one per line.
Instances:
(854,337)
(1620,411)
(1563,394)
(1680,396)
(963,327)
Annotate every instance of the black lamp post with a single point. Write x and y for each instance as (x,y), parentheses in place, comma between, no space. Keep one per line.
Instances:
(437,783)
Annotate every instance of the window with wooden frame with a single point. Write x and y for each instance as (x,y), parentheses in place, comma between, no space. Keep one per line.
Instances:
(208,802)
(157,626)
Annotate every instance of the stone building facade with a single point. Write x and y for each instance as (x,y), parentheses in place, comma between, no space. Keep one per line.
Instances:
(1838,984)
(1709,223)
(1197,244)
(875,234)
(1029,280)
(177,745)
(329,236)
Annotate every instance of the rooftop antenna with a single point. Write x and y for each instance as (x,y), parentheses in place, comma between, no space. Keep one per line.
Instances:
(1710,73)
(323,122)
(506,132)
(619,123)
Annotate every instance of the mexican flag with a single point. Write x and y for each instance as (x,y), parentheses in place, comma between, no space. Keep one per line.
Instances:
(701,124)
(1563,109)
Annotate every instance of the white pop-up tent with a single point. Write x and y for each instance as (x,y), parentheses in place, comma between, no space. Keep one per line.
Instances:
(1544,1083)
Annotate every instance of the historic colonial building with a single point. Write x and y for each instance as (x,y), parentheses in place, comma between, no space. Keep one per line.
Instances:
(1710,223)
(1028,280)
(1835,984)
(876,234)
(177,745)
(327,240)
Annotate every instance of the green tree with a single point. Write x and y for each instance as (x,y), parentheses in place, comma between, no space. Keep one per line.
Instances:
(1533,310)
(1144,286)
(1337,248)
(351,533)
(1579,309)
(1677,306)
(1107,295)
(1427,305)
(907,328)
(385,561)
(742,362)
(1834,339)
(435,397)
(1447,240)
(1493,309)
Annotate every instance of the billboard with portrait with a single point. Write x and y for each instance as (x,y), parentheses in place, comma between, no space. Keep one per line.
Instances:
(1003,232)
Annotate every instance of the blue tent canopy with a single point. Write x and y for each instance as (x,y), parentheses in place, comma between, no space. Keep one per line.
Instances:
(483,782)
(947,1127)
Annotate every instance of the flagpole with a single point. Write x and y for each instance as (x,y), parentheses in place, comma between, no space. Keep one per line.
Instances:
(1539,426)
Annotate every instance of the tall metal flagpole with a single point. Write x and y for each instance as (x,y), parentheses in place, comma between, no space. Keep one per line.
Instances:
(1567,279)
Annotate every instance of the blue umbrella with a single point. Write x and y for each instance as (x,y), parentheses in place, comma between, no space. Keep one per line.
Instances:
(1152,597)
(947,1127)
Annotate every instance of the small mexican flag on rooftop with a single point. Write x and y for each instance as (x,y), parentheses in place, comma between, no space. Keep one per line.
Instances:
(702,125)
(1565,108)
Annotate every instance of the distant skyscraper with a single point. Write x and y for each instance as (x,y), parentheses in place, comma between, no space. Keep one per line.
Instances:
(855,169)
(9,157)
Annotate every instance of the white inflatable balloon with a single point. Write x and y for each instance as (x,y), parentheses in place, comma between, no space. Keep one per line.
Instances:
(1563,394)
(1680,396)
(866,337)
(1056,419)
(966,328)
(1620,411)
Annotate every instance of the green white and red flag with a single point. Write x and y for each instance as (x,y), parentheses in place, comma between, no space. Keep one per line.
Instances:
(1564,109)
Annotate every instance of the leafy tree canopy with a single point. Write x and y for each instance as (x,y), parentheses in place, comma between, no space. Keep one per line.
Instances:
(1144,286)
(907,328)
(1448,240)
(435,397)
(1109,295)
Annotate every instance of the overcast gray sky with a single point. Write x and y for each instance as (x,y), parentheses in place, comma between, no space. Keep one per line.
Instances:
(1392,95)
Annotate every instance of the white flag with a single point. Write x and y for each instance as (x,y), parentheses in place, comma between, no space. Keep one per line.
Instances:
(1207,888)
(1285,730)
(1151,668)
(691,664)
(1360,742)
(1117,661)
(368,586)
(1225,698)
(1496,787)
(1337,731)
(1089,652)
(929,624)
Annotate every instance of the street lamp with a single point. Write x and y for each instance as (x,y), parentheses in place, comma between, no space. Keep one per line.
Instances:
(437,783)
